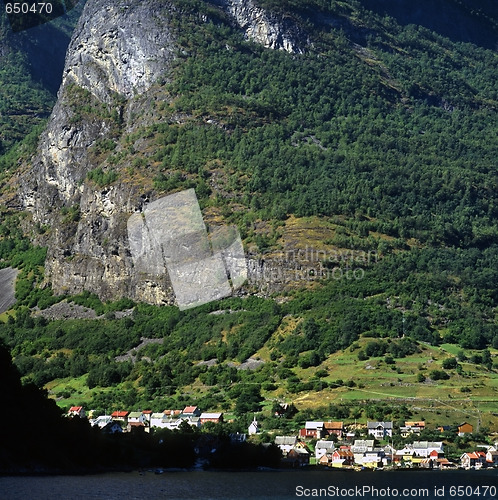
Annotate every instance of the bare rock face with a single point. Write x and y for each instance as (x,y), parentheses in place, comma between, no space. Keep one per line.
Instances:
(266,28)
(120,47)
(118,52)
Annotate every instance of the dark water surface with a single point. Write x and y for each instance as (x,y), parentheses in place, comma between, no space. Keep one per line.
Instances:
(255,485)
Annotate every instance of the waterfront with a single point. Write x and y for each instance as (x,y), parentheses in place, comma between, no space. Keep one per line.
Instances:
(277,485)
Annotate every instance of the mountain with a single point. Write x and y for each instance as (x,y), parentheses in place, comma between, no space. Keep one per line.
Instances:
(344,123)
(345,140)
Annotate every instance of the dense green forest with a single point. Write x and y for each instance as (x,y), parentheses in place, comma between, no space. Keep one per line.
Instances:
(381,127)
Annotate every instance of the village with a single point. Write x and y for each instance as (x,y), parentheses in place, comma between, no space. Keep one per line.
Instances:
(328,444)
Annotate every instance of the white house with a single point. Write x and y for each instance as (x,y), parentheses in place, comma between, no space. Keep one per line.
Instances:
(492,457)
(101,421)
(373,458)
(323,447)
(156,420)
(285,443)
(425,448)
(380,430)
(136,417)
(312,430)
(360,447)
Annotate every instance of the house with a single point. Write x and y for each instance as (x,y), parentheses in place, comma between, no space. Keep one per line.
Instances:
(137,417)
(476,459)
(285,443)
(465,428)
(216,418)
(380,430)
(373,459)
(323,448)
(253,427)
(101,421)
(492,457)
(120,416)
(76,411)
(330,428)
(312,430)
(136,420)
(147,415)
(191,411)
(172,413)
(425,448)
(297,457)
(362,445)
(156,420)
(283,408)
(112,428)
(342,458)
(350,435)
(412,428)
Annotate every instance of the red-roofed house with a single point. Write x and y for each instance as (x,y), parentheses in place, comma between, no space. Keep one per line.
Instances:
(120,416)
(475,459)
(342,458)
(173,413)
(76,411)
(191,411)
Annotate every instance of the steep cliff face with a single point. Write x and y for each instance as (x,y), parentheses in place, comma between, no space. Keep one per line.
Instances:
(117,54)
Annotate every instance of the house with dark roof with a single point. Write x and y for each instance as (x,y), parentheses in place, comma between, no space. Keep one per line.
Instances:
(323,448)
(297,457)
(380,430)
(285,443)
(492,458)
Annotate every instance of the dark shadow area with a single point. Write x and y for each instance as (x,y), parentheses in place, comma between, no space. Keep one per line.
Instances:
(459,20)
(46,46)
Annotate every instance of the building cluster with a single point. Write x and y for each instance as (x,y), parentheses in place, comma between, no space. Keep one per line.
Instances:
(126,421)
(330,444)
(301,449)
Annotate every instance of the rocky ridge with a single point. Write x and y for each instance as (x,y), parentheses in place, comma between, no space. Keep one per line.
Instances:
(118,52)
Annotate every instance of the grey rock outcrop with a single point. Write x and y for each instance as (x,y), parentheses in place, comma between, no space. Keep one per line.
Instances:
(268,29)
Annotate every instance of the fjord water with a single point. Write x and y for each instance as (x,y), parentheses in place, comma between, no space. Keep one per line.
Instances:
(275,485)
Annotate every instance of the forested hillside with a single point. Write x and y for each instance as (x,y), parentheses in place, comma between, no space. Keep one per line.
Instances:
(381,137)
